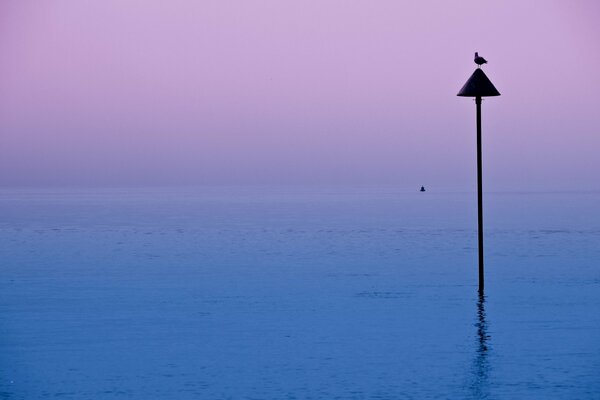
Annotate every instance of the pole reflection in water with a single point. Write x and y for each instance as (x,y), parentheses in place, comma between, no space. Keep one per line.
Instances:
(481,366)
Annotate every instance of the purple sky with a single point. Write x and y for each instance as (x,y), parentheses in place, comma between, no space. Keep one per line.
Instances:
(152,92)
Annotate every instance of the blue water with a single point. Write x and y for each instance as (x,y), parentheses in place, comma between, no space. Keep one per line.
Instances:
(297,293)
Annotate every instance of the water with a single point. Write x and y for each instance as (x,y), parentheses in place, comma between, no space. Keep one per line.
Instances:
(297,293)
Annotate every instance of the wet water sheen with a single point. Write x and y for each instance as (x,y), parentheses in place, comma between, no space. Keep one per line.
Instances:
(297,293)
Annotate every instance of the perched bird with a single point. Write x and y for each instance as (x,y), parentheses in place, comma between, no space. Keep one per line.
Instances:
(479,60)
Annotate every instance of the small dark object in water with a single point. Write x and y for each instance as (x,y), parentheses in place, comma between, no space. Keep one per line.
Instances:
(422,188)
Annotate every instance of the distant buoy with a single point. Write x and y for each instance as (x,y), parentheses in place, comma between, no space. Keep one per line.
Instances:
(422,188)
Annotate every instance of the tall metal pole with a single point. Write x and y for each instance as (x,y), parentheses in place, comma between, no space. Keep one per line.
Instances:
(479,195)
(479,86)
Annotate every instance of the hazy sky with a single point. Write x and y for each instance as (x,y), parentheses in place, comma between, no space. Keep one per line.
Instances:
(151,92)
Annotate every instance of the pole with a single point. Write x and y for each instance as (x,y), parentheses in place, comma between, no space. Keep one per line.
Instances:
(479,195)
(479,86)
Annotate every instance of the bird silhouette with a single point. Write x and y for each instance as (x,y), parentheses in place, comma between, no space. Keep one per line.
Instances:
(479,60)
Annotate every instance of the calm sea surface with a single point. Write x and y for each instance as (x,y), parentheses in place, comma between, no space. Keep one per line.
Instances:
(297,293)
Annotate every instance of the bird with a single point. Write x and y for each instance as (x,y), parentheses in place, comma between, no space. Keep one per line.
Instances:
(479,60)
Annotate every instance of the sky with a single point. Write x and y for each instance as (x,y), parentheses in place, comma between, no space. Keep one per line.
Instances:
(276,92)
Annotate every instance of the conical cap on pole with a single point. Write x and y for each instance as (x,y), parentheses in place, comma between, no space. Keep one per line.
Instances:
(478,85)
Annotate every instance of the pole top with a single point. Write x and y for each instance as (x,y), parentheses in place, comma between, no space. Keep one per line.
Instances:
(478,85)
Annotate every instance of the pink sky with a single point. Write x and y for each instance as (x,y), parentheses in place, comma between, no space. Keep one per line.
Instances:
(151,92)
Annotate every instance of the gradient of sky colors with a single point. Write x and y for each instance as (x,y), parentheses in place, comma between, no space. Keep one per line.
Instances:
(153,92)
